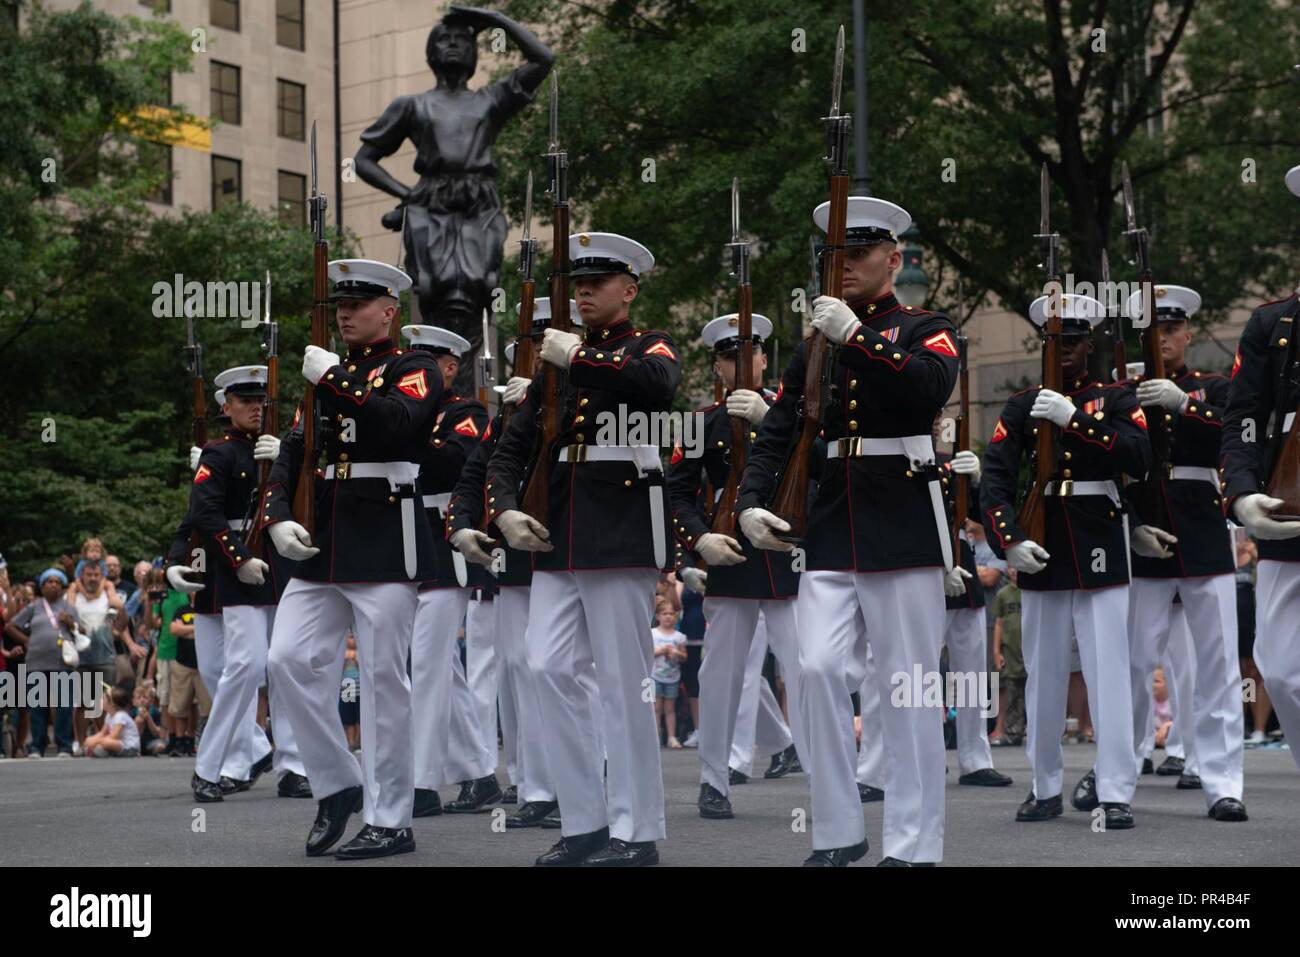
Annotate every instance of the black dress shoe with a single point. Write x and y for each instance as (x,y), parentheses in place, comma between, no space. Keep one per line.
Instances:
(511,795)
(1228,809)
(985,778)
(205,792)
(427,803)
(293,786)
(1119,817)
(899,862)
(837,856)
(372,841)
(332,815)
(1035,810)
(1084,797)
(476,796)
(624,854)
(1148,767)
(572,851)
(796,766)
(552,821)
(714,805)
(869,795)
(734,777)
(260,768)
(782,763)
(229,785)
(1187,781)
(530,814)
(1170,767)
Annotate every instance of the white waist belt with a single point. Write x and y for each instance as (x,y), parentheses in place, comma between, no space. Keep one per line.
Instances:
(645,457)
(1193,473)
(235,522)
(440,502)
(396,473)
(1071,488)
(917,448)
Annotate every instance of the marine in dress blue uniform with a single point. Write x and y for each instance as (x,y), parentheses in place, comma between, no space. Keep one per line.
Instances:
(877,546)
(373,545)
(1076,582)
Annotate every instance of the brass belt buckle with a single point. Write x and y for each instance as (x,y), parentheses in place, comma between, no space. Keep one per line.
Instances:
(576,453)
(341,470)
(1066,487)
(851,447)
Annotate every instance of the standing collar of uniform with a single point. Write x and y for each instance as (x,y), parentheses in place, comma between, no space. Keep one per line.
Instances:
(371,350)
(240,435)
(1081,384)
(615,330)
(875,308)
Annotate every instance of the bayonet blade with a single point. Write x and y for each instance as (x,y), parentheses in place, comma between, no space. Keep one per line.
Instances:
(838,81)
(554,146)
(1044,203)
(266,306)
(313,157)
(1105,275)
(528,209)
(735,209)
(1130,212)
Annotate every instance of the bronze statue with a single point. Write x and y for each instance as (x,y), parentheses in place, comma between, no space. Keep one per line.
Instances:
(452,224)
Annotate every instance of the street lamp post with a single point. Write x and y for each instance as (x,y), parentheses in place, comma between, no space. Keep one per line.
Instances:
(912,285)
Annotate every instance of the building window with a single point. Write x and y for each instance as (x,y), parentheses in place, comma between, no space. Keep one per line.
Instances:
(225,92)
(291,109)
(227,181)
(292,206)
(157,6)
(288,24)
(224,13)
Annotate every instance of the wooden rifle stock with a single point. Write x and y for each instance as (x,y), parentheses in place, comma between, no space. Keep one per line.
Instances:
(1284,476)
(1152,506)
(525,347)
(304,497)
(724,514)
(270,426)
(961,510)
(1032,517)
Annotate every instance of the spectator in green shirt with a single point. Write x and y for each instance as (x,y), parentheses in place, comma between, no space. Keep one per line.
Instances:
(1010,727)
(165,602)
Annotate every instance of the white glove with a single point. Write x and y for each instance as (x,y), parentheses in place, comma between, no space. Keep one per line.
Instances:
(1053,407)
(523,532)
(195,452)
(744,404)
(252,572)
(758,524)
(515,390)
(174,573)
(1253,512)
(696,579)
(292,541)
(1151,542)
(266,448)
(473,544)
(1028,557)
(834,319)
(316,362)
(558,347)
(954,583)
(1161,392)
(967,463)
(718,549)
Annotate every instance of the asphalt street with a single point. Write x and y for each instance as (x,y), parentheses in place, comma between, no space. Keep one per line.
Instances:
(139,812)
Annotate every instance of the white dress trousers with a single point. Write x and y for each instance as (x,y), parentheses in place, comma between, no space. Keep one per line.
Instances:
(965,634)
(602,618)
(901,614)
(732,684)
(232,741)
(1098,621)
(1277,643)
(871,747)
(306,666)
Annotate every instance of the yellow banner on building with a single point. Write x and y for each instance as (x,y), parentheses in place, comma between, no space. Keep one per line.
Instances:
(159,125)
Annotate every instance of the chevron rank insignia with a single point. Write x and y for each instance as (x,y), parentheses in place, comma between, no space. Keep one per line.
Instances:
(661,349)
(1140,417)
(677,456)
(202,475)
(414,384)
(999,433)
(466,426)
(941,343)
